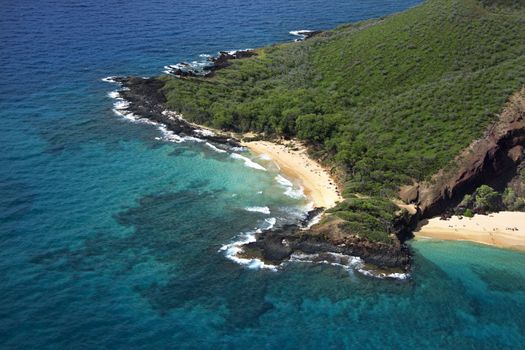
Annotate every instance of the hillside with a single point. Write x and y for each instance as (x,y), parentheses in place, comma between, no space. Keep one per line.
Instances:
(386,102)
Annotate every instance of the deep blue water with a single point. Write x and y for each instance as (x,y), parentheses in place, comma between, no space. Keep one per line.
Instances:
(110,235)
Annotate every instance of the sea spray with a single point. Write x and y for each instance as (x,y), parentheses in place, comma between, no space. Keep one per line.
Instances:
(248,162)
(233,250)
(263,210)
(215,148)
(290,190)
(348,262)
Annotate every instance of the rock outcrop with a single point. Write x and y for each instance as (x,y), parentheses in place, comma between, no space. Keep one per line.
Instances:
(330,236)
(147,100)
(491,160)
(212,64)
(224,57)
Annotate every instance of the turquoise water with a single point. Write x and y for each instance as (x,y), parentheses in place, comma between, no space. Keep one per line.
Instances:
(111,236)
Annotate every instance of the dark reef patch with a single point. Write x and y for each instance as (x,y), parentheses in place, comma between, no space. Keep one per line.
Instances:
(498,279)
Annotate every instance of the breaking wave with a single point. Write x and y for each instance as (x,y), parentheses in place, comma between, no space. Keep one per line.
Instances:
(248,162)
(263,210)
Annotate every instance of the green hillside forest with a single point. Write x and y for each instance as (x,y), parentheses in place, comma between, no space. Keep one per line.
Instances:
(385,102)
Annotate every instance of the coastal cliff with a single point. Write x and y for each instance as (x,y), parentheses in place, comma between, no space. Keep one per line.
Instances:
(491,160)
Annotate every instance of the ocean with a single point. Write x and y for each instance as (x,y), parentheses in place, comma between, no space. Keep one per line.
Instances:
(115,234)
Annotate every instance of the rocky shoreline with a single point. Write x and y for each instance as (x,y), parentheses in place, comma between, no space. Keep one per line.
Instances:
(213,63)
(492,159)
(222,60)
(146,99)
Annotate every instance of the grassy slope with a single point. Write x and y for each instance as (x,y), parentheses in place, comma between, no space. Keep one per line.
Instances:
(388,100)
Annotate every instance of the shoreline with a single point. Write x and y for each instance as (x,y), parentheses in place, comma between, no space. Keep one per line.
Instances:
(145,100)
(503,230)
(293,160)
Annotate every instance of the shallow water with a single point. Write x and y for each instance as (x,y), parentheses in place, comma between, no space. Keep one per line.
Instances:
(111,235)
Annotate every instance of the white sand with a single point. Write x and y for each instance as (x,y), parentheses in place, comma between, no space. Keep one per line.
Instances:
(504,229)
(316,180)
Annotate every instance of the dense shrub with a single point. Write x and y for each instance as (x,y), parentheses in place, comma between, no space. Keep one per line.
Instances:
(487,199)
(468,213)
(388,101)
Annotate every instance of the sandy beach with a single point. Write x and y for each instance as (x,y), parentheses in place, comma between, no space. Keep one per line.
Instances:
(294,162)
(503,229)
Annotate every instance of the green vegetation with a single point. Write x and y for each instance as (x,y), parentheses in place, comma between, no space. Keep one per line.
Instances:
(370,217)
(468,213)
(385,101)
(512,201)
(467,201)
(487,200)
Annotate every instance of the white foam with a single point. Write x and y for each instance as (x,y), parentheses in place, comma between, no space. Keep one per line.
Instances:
(120,108)
(264,156)
(298,32)
(109,79)
(234,52)
(271,223)
(233,250)
(204,132)
(290,191)
(301,34)
(167,135)
(114,94)
(172,115)
(348,262)
(127,116)
(248,162)
(264,210)
(215,148)
(196,67)
(283,181)
(382,275)
(239,149)
(192,138)
(132,117)
(121,105)
(170,136)
(309,207)
(295,193)
(313,221)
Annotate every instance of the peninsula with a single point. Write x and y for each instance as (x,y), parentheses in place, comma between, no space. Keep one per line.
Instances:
(408,114)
